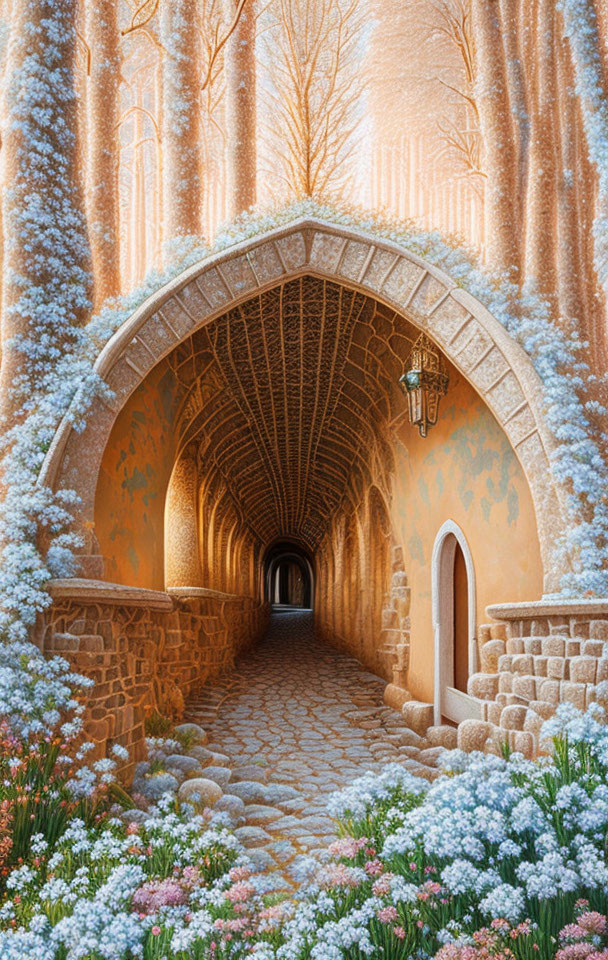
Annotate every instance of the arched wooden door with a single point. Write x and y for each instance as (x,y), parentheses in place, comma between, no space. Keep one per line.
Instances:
(454,625)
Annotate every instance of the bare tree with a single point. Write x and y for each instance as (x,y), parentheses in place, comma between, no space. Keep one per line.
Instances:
(451,23)
(315,96)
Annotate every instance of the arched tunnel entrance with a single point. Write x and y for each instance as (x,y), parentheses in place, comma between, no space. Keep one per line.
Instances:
(288,576)
(280,434)
(257,403)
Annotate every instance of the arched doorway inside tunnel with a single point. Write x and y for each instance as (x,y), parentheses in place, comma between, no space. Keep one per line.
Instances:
(454,624)
(288,577)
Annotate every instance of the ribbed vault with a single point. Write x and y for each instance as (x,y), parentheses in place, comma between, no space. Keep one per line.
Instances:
(285,396)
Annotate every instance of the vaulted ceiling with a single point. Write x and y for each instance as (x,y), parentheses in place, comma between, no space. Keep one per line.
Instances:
(286,394)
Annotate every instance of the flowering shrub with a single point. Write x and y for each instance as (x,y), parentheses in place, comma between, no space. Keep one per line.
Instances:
(44,780)
(499,857)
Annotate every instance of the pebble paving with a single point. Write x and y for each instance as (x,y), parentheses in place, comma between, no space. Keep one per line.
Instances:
(297,721)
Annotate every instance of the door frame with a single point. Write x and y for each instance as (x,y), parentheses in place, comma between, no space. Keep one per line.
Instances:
(460,706)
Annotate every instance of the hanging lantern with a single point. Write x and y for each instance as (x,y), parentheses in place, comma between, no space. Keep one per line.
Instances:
(425,381)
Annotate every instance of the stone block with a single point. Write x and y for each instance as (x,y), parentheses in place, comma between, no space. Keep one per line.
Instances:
(533,722)
(602,669)
(554,646)
(524,686)
(484,633)
(418,715)
(430,755)
(523,663)
(515,645)
(598,629)
(513,717)
(443,736)
(498,631)
(505,682)
(573,693)
(548,690)
(483,685)
(396,697)
(543,708)
(493,712)
(590,694)
(473,734)
(524,742)
(540,666)
(583,669)
(200,791)
(573,648)
(505,663)
(591,648)
(556,668)
(490,654)
(533,645)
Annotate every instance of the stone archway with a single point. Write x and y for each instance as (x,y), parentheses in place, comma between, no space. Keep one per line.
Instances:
(476,344)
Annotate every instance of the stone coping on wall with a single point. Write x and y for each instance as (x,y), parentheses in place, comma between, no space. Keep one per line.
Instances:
(577,606)
(101,591)
(196,592)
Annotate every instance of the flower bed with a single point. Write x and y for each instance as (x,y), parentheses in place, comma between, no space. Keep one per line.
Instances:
(499,857)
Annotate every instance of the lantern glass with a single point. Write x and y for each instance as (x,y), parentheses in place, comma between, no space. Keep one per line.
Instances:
(425,381)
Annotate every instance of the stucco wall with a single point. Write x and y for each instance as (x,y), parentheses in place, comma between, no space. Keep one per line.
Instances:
(133,480)
(466,471)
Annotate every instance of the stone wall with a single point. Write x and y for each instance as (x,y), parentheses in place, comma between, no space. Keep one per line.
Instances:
(144,649)
(534,657)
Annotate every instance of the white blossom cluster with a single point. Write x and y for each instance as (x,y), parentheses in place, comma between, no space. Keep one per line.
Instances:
(580,27)
(356,799)
(98,919)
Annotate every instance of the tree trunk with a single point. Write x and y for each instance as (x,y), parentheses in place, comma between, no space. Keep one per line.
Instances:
(518,99)
(541,205)
(180,120)
(103,146)
(498,138)
(47,259)
(571,268)
(240,69)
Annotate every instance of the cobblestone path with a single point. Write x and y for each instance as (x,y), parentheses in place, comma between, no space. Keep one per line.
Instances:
(297,721)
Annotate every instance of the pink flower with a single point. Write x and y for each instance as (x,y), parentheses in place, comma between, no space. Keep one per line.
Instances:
(191,876)
(382,885)
(155,931)
(374,868)
(575,951)
(399,932)
(155,894)
(239,873)
(239,892)
(387,914)
(339,875)
(573,931)
(592,922)
(347,847)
